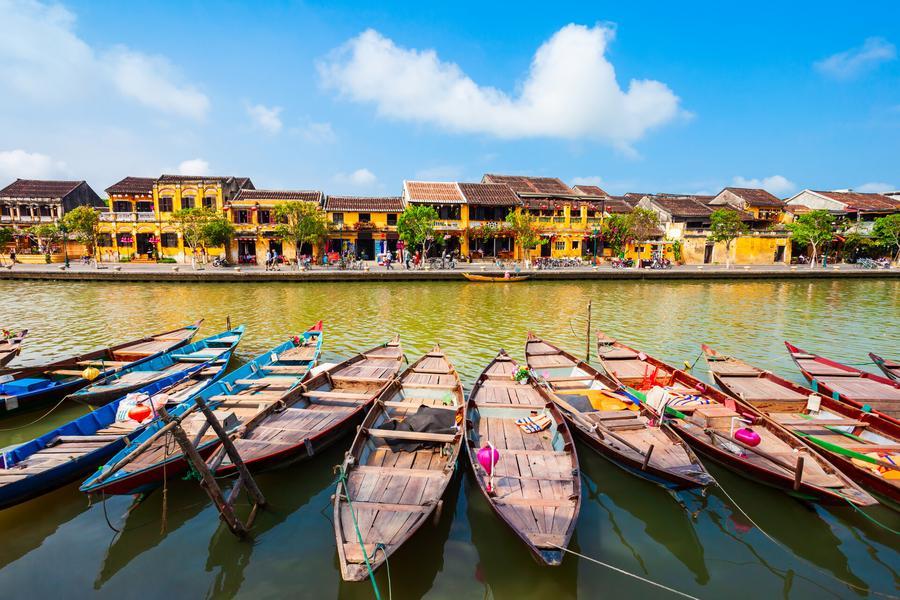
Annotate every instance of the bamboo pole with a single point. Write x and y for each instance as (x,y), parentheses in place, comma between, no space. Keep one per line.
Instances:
(798,474)
(587,354)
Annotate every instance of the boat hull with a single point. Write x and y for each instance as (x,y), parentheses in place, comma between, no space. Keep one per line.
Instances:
(40,398)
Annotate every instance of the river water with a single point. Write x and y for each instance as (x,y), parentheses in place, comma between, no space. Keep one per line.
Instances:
(701,545)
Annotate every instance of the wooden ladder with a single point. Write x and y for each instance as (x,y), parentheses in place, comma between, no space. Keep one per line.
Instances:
(225,505)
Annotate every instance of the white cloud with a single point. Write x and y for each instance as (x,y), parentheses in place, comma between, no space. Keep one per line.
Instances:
(570,91)
(28,165)
(265,118)
(153,82)
(43,60)
(194,166)
(589,180)
(358,178)
(875,187)
(776,184)
(850,63)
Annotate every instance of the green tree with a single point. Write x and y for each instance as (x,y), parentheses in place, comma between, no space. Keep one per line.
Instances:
(302,223)
(83,222)
(814,229)
(616,232)
(726,226)
(6,236)
(887,232)
(216,231)
(191,224)
(415,226)
(45,234)
(643,224)
(523,226)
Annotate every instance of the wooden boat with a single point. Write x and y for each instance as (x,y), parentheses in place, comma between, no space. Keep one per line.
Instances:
(891,368)
(710,421)
(33,387)
(11,345)
(330,405)
(394,477)
(536,488)
(70,451)
(864,445)
(495,278)
(133,377)
(849,384)
(617,428)
(153,456)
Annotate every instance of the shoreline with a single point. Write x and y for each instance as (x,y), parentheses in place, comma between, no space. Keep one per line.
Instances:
(157,273)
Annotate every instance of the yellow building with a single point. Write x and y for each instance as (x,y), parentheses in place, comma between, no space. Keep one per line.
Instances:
(253,213)
(453,212)
(139,225)
(363,225)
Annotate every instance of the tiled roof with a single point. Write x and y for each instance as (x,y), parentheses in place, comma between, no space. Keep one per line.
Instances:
(36,188)
(682,206)
(856,201)
(589,190)
(757,197)
(132,186)
(531,185)
(253,195)
(364,204)
(617,206)
(241,181)
(433,191)
(489,194)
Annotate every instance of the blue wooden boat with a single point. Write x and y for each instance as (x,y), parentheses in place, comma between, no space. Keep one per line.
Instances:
(153,457)
(136,376)
(70,451)
(30,388)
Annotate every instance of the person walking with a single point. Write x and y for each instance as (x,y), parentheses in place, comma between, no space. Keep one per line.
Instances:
(268,259)
(388,258)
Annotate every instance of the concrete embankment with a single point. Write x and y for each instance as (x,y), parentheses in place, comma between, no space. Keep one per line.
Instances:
(158,274)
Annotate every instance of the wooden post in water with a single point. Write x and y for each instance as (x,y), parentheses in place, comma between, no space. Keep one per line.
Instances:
(798,474)
(207,481)
(228,322)
(587,353)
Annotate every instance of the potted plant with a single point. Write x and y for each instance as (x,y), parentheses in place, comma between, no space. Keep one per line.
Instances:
(522,375)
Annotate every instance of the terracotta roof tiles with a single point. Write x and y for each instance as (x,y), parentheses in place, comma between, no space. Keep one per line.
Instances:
(364,204)
(589,190)
(489,194)
(254,195)
(856,201)
(37,188)
(531,185)
(757,197)
(433,191)
(132,186)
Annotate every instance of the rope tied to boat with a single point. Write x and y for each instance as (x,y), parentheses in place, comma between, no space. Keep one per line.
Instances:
(40,418)
(870,517)
(342,479)
(624,572)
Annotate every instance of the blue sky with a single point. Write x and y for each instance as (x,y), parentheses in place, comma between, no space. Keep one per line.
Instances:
(353,97)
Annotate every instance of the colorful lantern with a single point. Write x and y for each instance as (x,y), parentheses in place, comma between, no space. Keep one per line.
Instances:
(90,373)
(139,412)
(488,456)
(747,436)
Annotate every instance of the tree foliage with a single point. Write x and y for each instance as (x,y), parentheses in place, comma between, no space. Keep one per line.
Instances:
(815,229)
(216,231)
(302,223)
(523,226)
(643,224)
(45,234)
(191,224)
(6,235)
(616,232)
(83,222)
(415,226)
(887,231)
(726,226)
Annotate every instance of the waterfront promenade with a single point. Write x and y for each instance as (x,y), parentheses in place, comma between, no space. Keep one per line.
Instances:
(181,272)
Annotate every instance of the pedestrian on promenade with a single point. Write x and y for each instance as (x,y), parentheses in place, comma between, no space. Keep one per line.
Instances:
(268,259)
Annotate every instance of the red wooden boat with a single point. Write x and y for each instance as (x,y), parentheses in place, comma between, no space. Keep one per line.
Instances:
(891,368)
(843,382)
(10,345)
(712,421)
(536,485)
(864,445)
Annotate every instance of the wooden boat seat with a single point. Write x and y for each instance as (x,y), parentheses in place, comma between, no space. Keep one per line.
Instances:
(861,389)
(352,379)
(268,382)
(570,378)
(286,369)
(616,354)
(415,405)
(635,369)
(444,371)
(399,471)
(338,395)
(538,501)
(818,423)
(417,436)
(816,368)
(760,388)
(104,363)
(734,369)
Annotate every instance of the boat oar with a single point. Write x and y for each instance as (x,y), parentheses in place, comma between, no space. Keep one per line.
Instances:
(592,425)
(846,452)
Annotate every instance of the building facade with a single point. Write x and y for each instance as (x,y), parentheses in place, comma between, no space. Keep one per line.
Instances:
(363,225)
(254,216)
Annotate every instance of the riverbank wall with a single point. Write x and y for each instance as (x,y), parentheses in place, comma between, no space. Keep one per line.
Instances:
(260,276)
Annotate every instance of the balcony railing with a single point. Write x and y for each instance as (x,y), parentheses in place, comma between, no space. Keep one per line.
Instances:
(447,225)
(146,217)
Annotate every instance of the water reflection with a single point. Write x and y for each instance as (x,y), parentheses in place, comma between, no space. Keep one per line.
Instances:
(624,521)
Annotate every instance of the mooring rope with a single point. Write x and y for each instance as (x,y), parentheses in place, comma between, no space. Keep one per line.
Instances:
(387,565)
(342,478)
(871,518)
(106,516)
(788,550)
(46,414)
(624,572)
